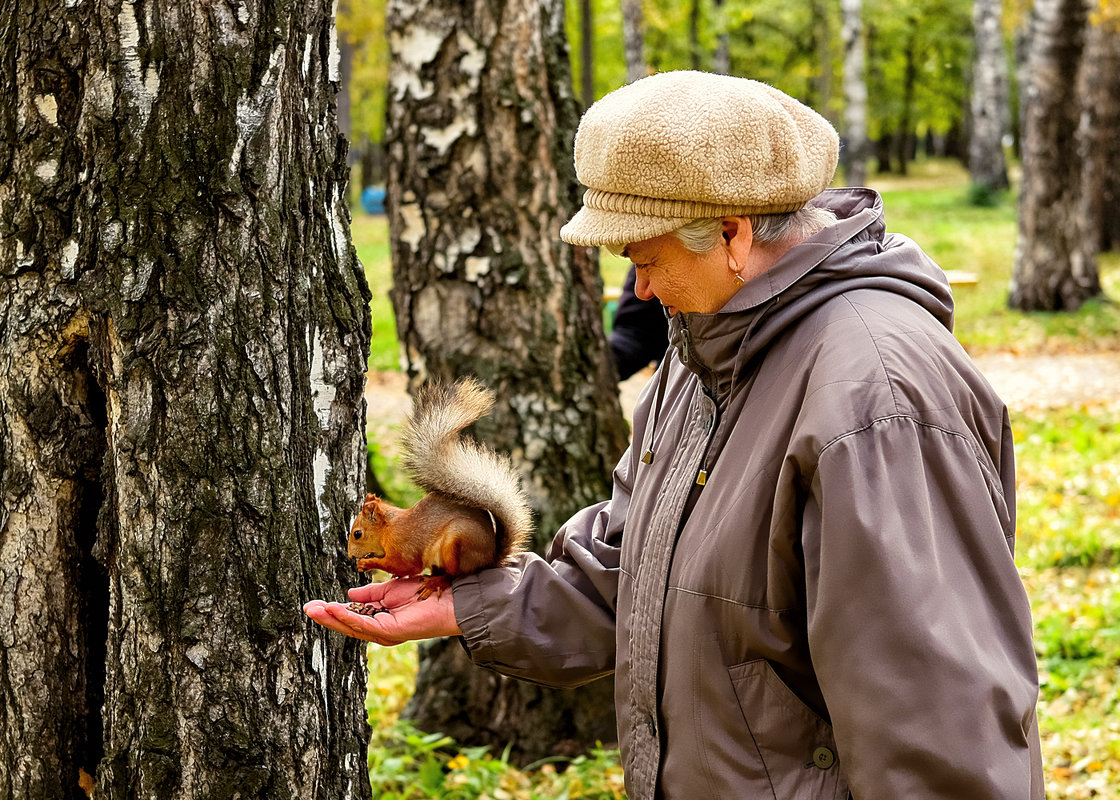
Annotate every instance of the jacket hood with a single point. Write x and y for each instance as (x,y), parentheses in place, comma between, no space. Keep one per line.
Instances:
(855,253)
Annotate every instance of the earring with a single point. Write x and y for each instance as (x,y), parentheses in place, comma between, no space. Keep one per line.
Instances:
(731,265)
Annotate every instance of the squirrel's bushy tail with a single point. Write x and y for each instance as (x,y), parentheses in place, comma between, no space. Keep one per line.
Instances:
(438,458)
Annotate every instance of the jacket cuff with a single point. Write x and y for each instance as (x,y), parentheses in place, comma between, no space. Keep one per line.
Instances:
(469,614)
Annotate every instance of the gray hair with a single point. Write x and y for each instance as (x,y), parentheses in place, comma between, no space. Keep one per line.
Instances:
(703,235)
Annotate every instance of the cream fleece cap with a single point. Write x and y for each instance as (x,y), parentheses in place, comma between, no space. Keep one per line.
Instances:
(678,146)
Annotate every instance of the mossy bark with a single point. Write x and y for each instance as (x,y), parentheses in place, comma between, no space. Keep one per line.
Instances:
(480,132)
(181,427)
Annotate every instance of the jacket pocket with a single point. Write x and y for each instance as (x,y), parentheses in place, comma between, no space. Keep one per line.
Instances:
(796,746)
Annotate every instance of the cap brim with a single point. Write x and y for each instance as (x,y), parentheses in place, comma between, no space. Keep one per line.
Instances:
(592,227)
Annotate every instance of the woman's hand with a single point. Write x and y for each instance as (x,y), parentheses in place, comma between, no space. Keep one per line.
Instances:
(406,616)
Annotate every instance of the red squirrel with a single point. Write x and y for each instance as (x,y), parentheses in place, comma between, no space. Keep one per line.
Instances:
(475,514)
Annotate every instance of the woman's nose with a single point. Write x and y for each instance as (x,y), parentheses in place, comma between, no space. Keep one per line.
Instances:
(641,287)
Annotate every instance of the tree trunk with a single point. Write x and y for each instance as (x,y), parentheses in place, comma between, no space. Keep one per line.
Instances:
(721,61)
(480,181)
(586,52)
(855,94)
(695,58)
(633,36)
(1101,147)
(903,138)
(182,328)
(1055,259)
(822,39)
(990,99)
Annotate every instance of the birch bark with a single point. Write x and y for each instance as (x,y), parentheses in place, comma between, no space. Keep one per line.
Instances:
(481,126)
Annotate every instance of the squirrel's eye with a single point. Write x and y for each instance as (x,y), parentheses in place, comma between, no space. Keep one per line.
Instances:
(357,533)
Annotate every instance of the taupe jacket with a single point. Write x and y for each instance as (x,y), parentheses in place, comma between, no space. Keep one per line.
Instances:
(835,609)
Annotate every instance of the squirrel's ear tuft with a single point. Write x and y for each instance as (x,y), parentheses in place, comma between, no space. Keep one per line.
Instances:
(376,510)
(371,502)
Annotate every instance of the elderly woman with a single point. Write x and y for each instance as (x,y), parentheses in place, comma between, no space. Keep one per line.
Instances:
(803,580)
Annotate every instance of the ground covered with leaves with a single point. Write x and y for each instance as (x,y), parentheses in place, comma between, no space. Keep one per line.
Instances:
(1068,551)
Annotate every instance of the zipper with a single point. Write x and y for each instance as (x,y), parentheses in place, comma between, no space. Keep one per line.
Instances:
(686,341)
(702,371)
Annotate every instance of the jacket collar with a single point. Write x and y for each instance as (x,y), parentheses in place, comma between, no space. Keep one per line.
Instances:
(718,346)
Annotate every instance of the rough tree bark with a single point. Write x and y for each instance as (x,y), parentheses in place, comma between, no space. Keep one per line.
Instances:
(1055,258)
(480,136)
(1101,87)
(182,335)
(633,37)
(855,94)
(990,103)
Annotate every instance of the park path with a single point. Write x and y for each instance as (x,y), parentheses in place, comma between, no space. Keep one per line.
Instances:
(1024,383)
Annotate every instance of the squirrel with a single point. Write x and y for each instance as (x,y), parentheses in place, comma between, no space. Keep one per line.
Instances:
(475,513)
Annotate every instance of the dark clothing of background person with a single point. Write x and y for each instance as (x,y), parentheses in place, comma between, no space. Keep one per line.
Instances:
(640,332)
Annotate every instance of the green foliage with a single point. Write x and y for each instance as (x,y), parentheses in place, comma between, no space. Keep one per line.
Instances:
(1077,640)
(362,24)
(1069,487)
(382,450)
(918,46)
(923,45)
(608,57)
(408,764)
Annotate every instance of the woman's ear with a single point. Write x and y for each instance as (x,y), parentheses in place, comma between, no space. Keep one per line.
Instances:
(738,234)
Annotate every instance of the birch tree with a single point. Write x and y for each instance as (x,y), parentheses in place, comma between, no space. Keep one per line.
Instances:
(1055,258)
(480,133)
(633,37)
(855,94)
(990,101)
(182,336)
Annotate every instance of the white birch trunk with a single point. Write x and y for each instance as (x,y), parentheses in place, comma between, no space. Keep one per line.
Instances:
(855,94)
(990,103)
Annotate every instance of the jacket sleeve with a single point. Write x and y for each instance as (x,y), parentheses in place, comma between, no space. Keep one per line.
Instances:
(919,626)
(552,620)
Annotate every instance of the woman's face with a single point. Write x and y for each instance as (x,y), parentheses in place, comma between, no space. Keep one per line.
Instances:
(681,279)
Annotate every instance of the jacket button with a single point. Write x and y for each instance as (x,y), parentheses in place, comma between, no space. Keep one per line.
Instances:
(651,724)
(823,758)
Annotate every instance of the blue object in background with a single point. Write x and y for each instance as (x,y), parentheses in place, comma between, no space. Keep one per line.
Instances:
(373,199)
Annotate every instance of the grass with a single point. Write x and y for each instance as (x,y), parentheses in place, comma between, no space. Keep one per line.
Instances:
(1068,547)
(370,235)
(1069,493)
